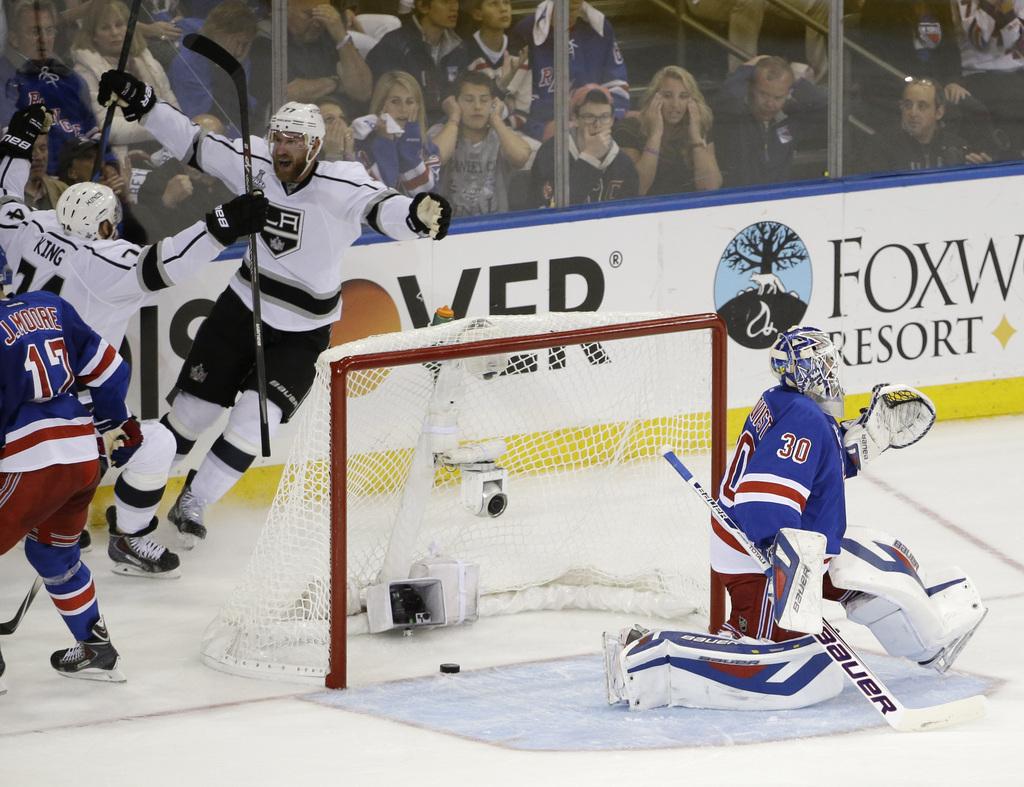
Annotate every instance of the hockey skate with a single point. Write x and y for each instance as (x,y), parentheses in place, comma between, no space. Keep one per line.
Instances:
(187,515)
(614,645)
(93,659)
(944,659)
(137,555)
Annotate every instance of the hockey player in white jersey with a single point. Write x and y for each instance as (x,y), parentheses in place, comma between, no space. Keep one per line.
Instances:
(784,488)
(316,212)
(74,252)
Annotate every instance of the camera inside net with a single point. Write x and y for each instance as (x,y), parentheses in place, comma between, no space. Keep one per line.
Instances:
(484,486)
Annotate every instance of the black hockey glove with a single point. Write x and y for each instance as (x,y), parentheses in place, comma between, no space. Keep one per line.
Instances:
(430,214)
(244,215)
(133,95)
(122,441)
(26,124)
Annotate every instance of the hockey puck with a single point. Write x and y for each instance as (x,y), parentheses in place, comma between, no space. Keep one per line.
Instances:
(450,669)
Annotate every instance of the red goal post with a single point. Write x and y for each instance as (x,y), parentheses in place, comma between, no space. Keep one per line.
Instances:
(343,369)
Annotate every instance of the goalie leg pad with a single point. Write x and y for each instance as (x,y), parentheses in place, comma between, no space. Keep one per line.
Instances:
(925,616)
(687,669)
(797,562)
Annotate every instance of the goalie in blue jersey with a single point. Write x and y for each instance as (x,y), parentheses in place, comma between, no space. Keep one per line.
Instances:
(785,489)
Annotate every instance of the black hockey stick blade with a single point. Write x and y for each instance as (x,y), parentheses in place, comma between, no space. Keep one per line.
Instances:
(212,51)
(12,625)
(122,62)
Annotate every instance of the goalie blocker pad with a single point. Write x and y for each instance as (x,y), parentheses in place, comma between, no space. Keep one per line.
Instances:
(687,669)
(924,615)
(797,561)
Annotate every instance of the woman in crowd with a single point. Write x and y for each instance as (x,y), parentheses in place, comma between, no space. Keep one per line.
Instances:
(391,141)
(96,48)
(670,139)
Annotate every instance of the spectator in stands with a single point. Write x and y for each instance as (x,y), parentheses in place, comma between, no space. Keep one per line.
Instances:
(96,48)
(75,164)
(487,51)
(745,18)
(366,29)
(917,38)
(418,47)
(478,150)
(175,195)
(35,75)
(42,191)
(598,169)
(200,87)
(339,141)
(921,141)
(391,141)
(670,140)
(764,112)
(594,58)
(323,62)
(992,57)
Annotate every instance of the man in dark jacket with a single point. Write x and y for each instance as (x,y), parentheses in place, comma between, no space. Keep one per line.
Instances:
(763,113)
(921,141)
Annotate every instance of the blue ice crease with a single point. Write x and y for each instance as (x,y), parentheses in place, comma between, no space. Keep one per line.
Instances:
(560,706)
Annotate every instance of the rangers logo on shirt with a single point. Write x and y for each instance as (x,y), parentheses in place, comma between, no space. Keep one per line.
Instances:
(283,230)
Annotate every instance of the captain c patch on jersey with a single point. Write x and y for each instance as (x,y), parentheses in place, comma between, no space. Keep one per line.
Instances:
(283,231)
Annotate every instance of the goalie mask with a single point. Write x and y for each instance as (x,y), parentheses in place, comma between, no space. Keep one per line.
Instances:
(83,208)
(806,359)
(299,119)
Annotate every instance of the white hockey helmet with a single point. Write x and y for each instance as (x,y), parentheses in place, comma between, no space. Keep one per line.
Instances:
(85,206)
(297,118)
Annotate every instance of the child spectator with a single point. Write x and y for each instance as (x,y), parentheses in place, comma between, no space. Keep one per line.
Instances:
(478,150)
(670,140)
(418,47)
(594,58)
(390,141)
(96,48)
(339,141)
(598,170)
(487,51)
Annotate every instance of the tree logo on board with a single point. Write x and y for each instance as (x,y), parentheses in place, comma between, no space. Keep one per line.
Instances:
(763,283)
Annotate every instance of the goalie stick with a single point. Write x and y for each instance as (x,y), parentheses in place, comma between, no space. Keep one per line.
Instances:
(12,625)
(852,666)
(122,62)
(220,57)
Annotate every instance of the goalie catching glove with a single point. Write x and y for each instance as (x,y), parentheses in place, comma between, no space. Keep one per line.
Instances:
(430,214)
(133,95)
(244,215)
(25,126)
(897,416)
(122,441)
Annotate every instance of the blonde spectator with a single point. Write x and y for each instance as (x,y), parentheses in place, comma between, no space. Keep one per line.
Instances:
(391,141)
(670,139)
(96,48)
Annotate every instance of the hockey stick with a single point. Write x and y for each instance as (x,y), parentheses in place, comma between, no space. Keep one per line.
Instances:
(220,57)
(122,62)
(853,667)
(12,625)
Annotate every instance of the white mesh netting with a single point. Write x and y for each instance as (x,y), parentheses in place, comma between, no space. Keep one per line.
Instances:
(595,517)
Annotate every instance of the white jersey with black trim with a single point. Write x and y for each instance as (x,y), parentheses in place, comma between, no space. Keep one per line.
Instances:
(107,281)
(309,226)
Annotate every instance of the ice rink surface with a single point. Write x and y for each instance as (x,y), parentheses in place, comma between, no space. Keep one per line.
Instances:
(952,498)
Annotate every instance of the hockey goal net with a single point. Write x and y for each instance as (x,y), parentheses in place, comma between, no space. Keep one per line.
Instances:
(595,518)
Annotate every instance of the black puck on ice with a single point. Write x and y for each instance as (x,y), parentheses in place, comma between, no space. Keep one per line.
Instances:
(450,669)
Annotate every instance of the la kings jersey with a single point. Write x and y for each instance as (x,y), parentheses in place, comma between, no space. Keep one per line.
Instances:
(788,471)
(107,281)
(300,250)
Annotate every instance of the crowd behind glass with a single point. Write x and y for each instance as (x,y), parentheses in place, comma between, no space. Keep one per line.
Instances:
(458,96)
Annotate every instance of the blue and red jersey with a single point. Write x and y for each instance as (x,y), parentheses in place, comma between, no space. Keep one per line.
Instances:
(788,470)
(46,352)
